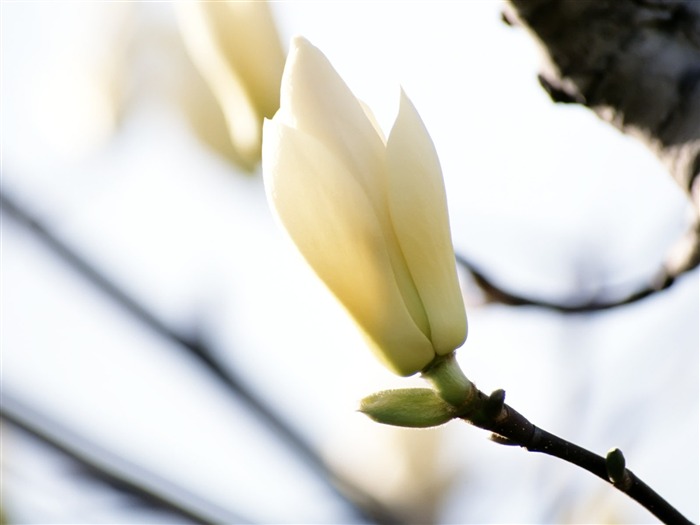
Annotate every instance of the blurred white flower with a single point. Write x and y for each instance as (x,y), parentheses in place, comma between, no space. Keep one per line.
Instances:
(70,85)
(369,215)
(237,49)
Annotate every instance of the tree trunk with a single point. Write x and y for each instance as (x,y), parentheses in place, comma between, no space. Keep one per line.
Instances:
(636,64)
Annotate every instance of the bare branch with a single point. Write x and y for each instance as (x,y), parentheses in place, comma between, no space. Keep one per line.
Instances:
(636,64)
(509,427)
(114,470)
(361,503)
(494,293)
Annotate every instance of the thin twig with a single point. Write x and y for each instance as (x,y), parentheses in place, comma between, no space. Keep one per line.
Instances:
(512,428)
(362,504)
(112,469)
(497,294)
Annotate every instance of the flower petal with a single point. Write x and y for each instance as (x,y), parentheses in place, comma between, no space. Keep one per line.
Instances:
(418,208)
(316,100)
(330,219)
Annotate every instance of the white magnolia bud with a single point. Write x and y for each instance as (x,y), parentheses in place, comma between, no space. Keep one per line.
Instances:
(369,215)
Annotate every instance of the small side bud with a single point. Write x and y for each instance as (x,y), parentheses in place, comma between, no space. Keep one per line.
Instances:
(615,465)
(407,407)
(494,403)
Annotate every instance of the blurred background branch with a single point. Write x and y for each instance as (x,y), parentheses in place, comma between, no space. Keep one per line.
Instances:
(362,504)
(495,293)
(635,64)
(117,472)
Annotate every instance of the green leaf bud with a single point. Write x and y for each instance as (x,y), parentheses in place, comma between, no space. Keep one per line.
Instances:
(408,407)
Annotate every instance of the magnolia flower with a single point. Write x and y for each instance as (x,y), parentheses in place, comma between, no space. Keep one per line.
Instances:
(369,215)
(237,49)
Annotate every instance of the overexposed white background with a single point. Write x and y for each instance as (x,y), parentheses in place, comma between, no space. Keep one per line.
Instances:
(548,200)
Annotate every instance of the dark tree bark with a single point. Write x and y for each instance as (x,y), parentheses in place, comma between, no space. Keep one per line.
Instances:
(636,64)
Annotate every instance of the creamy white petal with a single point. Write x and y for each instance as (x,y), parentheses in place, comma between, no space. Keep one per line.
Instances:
(418,208)
(329,217)
(317,101)
(373,119)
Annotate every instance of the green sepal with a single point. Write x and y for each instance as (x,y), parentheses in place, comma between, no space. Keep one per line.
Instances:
(448,379)
(408,407)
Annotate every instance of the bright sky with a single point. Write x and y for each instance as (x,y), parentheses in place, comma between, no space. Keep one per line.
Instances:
(547,198)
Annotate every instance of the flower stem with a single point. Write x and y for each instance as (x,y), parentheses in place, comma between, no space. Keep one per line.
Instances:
(448,379)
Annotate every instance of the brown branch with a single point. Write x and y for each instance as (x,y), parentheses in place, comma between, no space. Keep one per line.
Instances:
(512,428)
